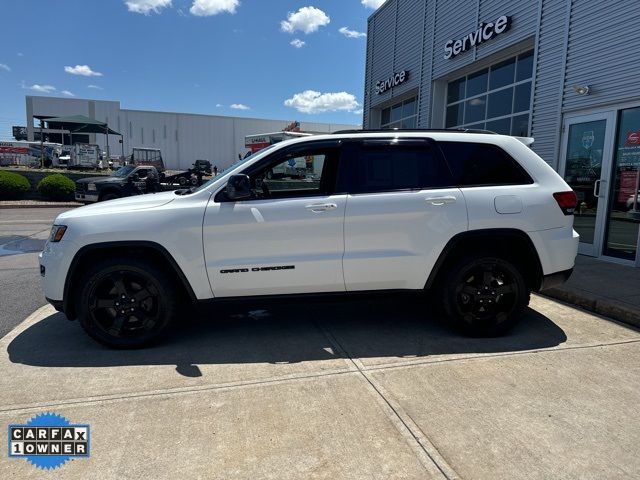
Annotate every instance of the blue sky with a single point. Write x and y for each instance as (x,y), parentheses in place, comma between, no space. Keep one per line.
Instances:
(297,60)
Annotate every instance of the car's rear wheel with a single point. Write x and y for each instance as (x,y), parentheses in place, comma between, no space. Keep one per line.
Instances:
(484,295)
(126,302)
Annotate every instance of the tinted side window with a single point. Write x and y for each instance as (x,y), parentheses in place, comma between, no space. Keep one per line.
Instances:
(482,164)
(383,168)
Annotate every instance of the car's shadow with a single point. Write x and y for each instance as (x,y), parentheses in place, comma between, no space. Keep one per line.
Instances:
(294,331)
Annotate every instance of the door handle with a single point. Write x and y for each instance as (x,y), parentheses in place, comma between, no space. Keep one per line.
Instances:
(596,188)
(321,207)
(441,200)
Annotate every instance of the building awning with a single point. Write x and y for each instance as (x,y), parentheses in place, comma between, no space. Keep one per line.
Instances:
(79,124)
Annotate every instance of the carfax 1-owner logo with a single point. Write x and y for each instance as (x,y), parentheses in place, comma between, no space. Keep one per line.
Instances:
(48,440)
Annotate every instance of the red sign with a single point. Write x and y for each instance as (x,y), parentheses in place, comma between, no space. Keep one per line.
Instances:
(14,150)
(627,185)
(633,139)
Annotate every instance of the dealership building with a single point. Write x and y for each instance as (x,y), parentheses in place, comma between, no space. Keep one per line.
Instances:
(565,72)
(182,138)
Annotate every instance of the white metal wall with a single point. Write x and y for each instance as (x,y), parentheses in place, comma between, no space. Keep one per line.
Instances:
(183,138)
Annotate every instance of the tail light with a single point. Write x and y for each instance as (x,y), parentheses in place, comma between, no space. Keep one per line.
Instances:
(567,201)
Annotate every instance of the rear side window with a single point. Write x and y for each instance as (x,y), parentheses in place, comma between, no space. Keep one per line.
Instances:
(390,167)
(476,164)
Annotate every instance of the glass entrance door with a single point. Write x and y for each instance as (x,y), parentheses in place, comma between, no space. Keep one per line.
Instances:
(623,221)
(587,142)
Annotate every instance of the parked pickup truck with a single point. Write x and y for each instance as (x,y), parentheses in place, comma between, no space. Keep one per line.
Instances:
(124,182)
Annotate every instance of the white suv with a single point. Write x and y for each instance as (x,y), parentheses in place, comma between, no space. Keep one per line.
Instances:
(477,217)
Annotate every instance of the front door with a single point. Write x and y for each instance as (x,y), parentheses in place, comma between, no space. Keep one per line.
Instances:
(586,164)
(287,238)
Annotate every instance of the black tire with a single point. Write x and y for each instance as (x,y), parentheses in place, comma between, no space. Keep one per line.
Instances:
(108,196)
(147,291)
(193,180)
(182,181)
(484,295)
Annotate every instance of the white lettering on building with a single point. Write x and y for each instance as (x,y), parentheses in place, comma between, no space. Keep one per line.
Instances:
(486,31)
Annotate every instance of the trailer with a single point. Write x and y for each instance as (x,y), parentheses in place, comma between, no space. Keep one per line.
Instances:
(153,157)
(259,141)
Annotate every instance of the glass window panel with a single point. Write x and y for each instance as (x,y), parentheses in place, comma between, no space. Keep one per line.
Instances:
(502,126)
(386,116)
(482,164)
(396,112)
(520,126)
(522,100)
(409,108)
(525,66)
(409,122)
(502,74)
(455,115)
(381,169)
(500,103)
(623,218)
(395,125)
(475,109)
(477,83)
(455,90)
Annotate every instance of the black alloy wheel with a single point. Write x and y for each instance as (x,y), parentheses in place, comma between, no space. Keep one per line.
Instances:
(126,303)
(485,295)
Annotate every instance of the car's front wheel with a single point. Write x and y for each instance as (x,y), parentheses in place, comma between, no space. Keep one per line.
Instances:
(126,302)
(484,295)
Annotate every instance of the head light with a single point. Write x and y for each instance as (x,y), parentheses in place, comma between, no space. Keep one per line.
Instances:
(57,232)
(91,186)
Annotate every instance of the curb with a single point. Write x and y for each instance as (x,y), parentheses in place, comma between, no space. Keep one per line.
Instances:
(603,306)
(40,205)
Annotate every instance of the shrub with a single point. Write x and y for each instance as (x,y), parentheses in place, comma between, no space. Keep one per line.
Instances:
(57,187)
(12,185)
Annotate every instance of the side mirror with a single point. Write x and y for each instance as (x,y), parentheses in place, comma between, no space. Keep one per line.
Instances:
(239,187)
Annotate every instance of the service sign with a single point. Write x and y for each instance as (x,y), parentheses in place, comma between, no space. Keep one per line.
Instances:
(393,81)
(485,32)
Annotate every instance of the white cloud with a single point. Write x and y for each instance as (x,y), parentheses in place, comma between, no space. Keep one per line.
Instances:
(145,7)
(307,20)
(311,101)
(239,106)
(20,54)
(41,88)
(372,3)
(95,87)
(206,8)
(351,33)
(218,105)
(84,70)
(67,93)
(359,111)
(296,42)
(4,67)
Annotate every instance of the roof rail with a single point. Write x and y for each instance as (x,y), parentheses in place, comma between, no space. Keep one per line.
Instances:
(389,130)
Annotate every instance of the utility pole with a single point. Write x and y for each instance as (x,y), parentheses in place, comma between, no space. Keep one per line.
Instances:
(41,143)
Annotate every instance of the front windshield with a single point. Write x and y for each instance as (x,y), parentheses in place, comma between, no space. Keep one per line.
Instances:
(232,167)
(123,171)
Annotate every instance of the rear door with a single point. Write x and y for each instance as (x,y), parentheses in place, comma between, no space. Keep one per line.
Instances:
(401,211)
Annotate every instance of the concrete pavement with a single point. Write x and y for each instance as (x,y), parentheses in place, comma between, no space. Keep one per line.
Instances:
(603,287)
(22,234)
(352,389)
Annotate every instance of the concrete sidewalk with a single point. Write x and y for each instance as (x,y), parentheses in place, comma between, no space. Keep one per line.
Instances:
(602,287)
(355,390)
